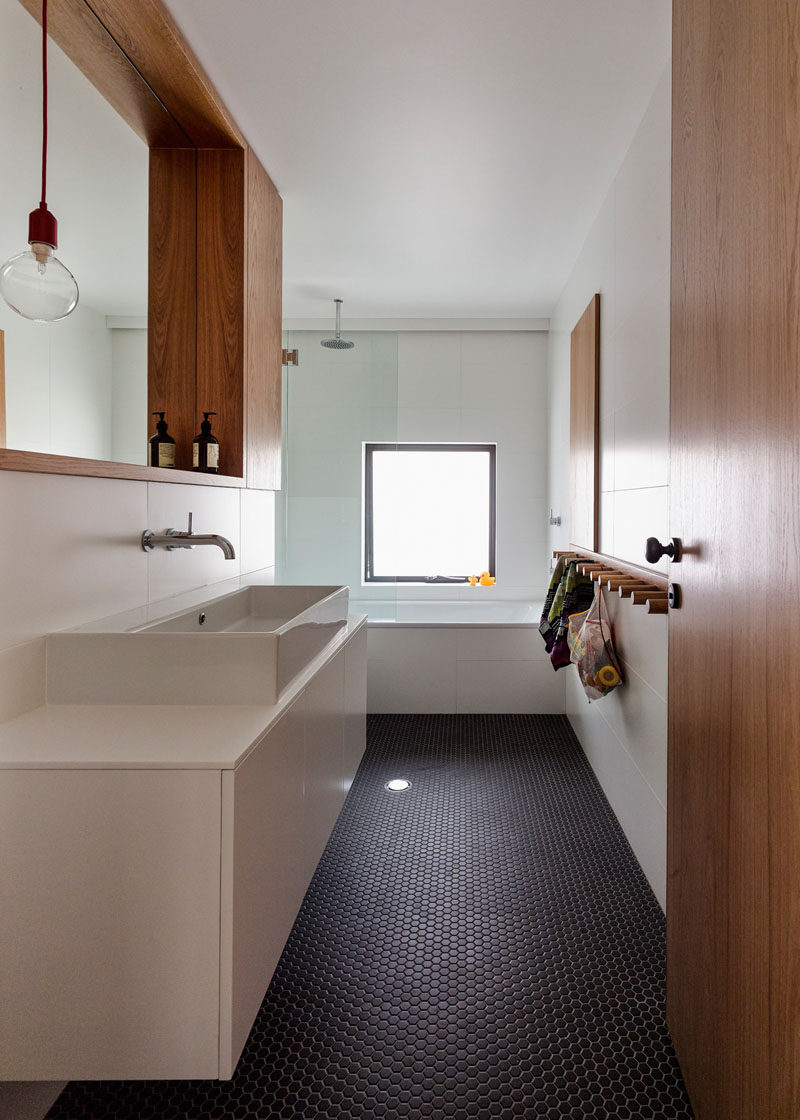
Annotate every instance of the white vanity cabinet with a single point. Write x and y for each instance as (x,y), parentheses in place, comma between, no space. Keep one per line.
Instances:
(143,910)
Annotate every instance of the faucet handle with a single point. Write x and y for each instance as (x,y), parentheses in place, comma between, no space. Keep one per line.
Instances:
(190,524)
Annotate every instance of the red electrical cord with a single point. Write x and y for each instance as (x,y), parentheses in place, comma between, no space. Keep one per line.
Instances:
(44,103)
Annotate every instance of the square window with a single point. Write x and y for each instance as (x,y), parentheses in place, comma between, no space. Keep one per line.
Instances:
(429,512)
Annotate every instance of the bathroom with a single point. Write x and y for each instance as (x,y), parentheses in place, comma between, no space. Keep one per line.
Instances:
(461,305)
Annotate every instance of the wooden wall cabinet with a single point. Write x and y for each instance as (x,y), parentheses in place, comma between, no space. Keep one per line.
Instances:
(217,207)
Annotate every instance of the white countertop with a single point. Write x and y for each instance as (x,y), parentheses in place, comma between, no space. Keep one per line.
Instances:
(164,737)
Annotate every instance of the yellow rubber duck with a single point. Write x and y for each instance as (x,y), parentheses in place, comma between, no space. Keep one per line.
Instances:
(486,580)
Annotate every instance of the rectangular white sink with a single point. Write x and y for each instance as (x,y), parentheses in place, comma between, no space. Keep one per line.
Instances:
(242,648)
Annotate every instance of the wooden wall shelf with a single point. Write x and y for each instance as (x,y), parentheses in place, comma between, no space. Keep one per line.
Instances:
(642,587)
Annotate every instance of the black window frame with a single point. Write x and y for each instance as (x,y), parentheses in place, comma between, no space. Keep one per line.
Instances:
(369,544)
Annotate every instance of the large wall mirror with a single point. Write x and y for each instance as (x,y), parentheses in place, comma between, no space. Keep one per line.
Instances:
(77,387)
(168,221)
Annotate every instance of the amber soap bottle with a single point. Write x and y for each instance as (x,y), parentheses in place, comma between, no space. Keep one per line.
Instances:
(205,448)
(162,445)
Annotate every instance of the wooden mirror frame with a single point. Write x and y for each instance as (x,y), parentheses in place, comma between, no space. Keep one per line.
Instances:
(214,270)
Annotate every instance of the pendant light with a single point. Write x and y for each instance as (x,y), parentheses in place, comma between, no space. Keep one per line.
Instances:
(35,283)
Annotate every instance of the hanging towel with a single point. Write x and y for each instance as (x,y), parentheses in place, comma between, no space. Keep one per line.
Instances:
(546,628)
(574,595)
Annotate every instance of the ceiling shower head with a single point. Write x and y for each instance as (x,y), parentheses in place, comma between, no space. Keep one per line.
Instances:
(337,343)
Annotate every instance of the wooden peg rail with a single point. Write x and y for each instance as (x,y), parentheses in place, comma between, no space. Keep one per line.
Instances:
(643,588)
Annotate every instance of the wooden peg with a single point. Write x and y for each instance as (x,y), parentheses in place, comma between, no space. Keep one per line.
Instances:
(657,606)
(638,589)
(647,595)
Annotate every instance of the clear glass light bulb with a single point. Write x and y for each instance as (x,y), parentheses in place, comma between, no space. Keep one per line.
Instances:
(38,286)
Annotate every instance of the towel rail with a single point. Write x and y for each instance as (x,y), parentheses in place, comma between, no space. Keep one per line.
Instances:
(644,588)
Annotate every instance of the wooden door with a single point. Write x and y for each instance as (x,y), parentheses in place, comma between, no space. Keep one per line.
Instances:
(733,905)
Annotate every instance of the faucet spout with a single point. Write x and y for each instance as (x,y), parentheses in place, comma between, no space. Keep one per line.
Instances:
(218,540)
(172,539)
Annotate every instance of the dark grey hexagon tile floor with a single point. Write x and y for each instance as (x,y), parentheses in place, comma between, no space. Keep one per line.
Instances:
(483,945)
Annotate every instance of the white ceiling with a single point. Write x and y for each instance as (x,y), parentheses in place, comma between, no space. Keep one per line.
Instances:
(435,157)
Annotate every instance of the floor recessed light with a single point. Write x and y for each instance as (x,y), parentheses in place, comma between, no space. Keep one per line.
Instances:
(398,785)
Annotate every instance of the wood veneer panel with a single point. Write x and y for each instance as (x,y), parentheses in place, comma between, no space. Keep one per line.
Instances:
(263,340)
(154,44)
(81,35)
(733,905)
(38,463)
(584,453)
(221,299)
(171,297)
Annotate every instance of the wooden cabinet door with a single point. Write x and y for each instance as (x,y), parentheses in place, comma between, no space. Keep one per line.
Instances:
(733,906)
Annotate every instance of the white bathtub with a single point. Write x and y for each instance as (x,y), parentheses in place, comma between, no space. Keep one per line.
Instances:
(422,612)
(457,656)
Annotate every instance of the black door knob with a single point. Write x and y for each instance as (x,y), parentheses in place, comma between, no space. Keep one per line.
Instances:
(654,550)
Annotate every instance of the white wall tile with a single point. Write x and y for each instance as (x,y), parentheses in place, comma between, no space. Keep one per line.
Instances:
(342,554)
(428,369)
(639,514)
(257,529)
(505,385)
(638,717)
(324,474)
(607,524)
(643,210)
(523,564)
(215,510)
(521,519)
(607,453)
(626,259)
(641,441)
(321,383)
(428,386)
(522,474)
(324,519)
(339,428)
(511,429)
(77,554)
(486,348)
(402,686)
(413,645)
(495,643)
(510,686)
(431,348)
(640,813)
(641,640)
(428,425)
(641,345)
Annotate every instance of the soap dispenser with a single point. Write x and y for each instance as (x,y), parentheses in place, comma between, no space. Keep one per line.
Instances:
(205,448)
(162,446)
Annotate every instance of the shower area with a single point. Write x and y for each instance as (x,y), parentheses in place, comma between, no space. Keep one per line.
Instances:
(433,647)
(336,399)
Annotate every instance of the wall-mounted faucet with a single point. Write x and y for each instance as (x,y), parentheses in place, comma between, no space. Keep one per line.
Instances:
(177,538)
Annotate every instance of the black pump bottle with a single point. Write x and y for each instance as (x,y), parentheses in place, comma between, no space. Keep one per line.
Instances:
(205,448)
(162,446)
